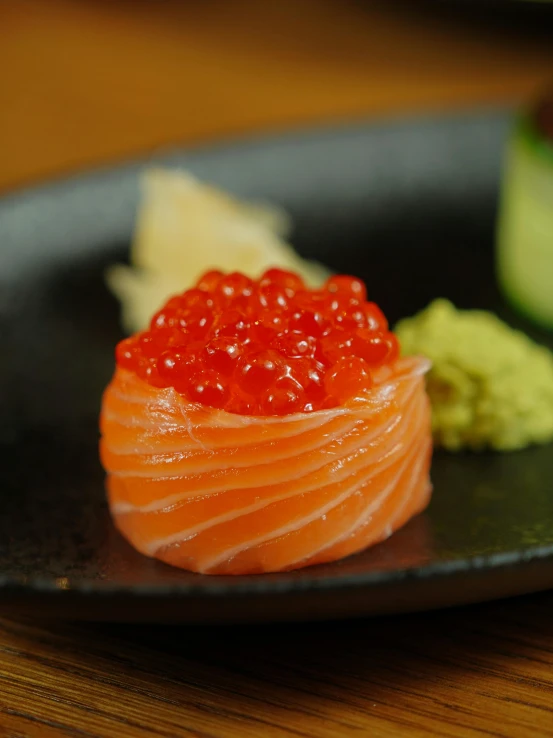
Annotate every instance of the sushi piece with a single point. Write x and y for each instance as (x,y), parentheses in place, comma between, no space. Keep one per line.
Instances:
(260,426)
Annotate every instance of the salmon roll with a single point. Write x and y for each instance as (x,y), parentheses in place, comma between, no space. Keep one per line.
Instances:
(261,426)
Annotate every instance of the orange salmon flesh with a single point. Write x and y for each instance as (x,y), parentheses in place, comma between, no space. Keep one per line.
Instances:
(217,493)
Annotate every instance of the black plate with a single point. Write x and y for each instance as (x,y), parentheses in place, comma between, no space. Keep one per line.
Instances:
(408,206)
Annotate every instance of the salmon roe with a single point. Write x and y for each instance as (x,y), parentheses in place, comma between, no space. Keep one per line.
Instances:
(265,347)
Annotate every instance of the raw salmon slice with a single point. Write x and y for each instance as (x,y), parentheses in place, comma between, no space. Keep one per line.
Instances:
(216,492)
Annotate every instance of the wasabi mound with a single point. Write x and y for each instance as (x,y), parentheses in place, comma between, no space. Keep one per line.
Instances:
(490,386)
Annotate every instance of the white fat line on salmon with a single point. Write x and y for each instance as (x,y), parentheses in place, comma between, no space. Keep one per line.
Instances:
(256,447)
(295,526)
(176,428)
(302,522)
(393,524)
(342,442)
(365,519)
(155,459)
(387,435)
(190,430)
(340,469)
(221,480)
(187,463)
(189,533)
(136,421)
(344,472)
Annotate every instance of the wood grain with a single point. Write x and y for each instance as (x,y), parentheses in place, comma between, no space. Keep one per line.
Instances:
(479,671)
(89,81)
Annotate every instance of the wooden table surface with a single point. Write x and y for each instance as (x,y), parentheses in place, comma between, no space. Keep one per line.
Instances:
(89,81)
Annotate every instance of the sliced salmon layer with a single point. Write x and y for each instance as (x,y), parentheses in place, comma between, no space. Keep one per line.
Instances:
(218,493)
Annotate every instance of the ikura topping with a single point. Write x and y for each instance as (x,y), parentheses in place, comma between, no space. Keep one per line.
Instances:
(265,347)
